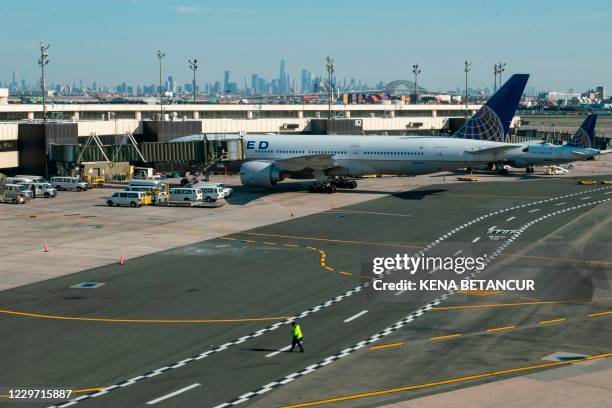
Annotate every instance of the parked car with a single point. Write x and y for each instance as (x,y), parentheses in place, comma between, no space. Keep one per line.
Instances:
(185,194)
(131,198)
(69,183)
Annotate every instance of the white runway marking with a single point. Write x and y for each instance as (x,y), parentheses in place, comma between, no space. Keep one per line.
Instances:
(350,319)
(286,348)
(534,210)
(172,394)
(458,252)
(585,198)
(560,203)
(476,239)
(510,219)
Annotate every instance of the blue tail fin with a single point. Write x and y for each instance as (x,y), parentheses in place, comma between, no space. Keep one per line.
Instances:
(492,121)
(585,135)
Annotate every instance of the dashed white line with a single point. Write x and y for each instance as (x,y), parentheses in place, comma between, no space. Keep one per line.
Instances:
(585,198)
(286,348)
(510,219)
(560,203)
(458,252)
(476,239)
(350,319)
(534,210)
(173,394)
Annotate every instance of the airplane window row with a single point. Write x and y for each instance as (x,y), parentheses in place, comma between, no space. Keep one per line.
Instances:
(326,152)
(541,153)
(290,151)
(397,153)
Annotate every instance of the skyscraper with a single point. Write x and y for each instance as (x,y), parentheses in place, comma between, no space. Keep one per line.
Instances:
(306,81)
(282,84)
(226,79)
(254,84)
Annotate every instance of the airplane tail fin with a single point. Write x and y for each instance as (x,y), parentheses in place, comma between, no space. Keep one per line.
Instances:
(492,121)
(585,135)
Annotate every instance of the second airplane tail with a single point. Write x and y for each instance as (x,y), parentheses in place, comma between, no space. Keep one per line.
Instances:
(492,121)
(585,135)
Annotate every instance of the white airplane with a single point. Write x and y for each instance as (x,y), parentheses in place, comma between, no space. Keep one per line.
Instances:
(580,147)
(334,160)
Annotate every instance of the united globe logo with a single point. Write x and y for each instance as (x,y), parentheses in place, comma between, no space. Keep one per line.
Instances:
(484,125)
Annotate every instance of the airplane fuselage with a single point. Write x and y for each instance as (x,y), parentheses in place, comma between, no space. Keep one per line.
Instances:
(547,154)
(356,156)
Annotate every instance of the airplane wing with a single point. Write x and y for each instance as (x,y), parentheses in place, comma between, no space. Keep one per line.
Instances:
(575,153)
(605,151)
(310,161)
(495,149)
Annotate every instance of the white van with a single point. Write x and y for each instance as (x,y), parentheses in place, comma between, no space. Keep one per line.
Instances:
(40,189)
(13,194)
(226,191)
(157,195)
(146,183)
(185,194)
(131,198)
(212,193)
(18,180)
(69,183)
(36,179)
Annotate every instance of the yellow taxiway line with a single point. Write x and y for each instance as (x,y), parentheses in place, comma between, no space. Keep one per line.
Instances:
(443,382)
(112,320)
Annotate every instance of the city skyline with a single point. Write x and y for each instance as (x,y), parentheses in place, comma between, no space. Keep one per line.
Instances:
(245,38)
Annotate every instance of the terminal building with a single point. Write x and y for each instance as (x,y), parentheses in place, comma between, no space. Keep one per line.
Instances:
(26,143)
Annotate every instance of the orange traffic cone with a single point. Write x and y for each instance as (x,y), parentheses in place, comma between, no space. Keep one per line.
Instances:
(122,259)
(333,207)
(45,247)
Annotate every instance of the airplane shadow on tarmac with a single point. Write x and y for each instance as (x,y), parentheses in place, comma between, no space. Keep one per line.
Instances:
(244,195)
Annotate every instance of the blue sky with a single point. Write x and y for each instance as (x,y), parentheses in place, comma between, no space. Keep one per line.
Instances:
(562,44)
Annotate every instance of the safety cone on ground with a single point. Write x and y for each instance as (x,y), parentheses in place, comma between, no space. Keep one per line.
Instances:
(45,247)
(122,259)
(333,207)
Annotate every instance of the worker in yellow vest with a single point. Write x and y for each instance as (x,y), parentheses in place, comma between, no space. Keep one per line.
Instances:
(296,337)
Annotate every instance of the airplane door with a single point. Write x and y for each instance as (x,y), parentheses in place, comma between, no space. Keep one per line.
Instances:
(356,166)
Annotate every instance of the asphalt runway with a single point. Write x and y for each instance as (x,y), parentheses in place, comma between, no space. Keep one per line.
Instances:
(202,325)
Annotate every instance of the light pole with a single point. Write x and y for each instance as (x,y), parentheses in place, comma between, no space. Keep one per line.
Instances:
(193,65)
(467,67)
(161,55)
(494,78)
(501,67)
(329,65)
(416,71)
(44,60)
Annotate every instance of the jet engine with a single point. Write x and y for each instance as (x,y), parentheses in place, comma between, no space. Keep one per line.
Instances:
(259,173)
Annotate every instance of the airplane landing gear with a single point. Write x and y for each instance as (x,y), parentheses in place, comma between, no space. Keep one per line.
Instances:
(330,186)
(529,170)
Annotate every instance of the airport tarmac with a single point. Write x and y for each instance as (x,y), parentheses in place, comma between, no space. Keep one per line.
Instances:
(206,323)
